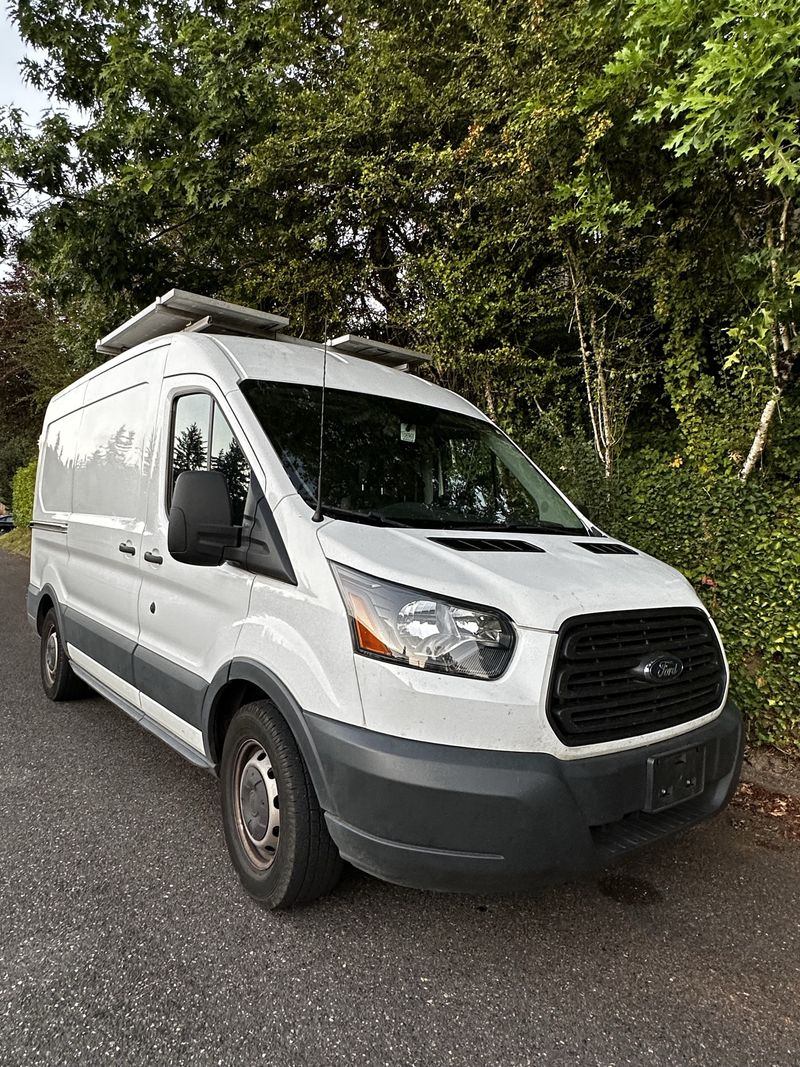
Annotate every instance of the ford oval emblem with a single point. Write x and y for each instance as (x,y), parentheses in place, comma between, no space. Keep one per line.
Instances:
(663,669)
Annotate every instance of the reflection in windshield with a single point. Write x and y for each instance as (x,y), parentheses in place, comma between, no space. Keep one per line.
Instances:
(398,463)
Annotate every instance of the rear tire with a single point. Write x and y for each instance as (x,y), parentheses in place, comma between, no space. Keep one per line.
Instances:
(59,681)
(275,831)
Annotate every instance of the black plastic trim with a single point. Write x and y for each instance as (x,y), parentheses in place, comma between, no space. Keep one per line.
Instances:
(180,691)
(606,548)
(34,599)
(244,669)
(262,550)
(441,817)
(100,643)
(51,527)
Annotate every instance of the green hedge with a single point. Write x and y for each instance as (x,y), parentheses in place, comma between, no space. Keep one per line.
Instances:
(22,490)
(739,546)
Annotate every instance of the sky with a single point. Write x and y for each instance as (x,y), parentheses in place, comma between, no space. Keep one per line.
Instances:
(12,89)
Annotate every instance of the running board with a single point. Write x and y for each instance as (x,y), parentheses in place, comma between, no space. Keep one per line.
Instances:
(140,717)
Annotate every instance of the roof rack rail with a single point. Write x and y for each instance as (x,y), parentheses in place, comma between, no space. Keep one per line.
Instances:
(378,351)
(180,310)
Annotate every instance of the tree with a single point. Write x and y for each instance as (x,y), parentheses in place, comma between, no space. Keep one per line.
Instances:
(231,463)
(489,181)
(190,451)
(28,355)
(722,82)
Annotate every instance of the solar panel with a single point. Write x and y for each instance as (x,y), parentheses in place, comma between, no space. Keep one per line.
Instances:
(180,310)
(376,350)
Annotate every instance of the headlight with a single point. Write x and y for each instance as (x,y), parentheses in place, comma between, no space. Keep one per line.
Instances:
(421,630)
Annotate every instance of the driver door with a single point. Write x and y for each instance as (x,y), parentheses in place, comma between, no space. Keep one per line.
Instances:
(189,616)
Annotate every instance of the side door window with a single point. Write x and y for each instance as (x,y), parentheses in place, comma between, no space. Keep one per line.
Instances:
(202,439)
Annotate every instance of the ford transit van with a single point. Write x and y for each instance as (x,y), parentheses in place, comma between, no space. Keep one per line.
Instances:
(346,592)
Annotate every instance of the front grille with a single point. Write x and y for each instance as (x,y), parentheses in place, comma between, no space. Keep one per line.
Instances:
(601,690)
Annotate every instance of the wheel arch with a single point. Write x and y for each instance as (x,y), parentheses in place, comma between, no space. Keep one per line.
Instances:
(241,682)
(40,603)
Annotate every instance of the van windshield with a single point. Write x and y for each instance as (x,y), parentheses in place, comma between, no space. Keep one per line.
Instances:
(395,463)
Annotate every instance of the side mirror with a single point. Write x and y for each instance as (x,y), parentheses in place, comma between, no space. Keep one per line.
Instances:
(200,526)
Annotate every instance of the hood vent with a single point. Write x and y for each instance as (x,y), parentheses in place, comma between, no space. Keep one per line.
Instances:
(606,548)
(485,544)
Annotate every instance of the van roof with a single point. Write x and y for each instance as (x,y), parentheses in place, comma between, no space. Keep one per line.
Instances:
(287,359)
(301,363)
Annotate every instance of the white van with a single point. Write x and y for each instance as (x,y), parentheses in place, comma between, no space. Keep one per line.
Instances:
(426,662)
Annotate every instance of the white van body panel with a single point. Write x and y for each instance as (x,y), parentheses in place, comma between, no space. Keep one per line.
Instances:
(301,633)
(57,446)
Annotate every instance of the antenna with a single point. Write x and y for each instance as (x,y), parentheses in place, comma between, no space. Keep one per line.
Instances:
(318,516)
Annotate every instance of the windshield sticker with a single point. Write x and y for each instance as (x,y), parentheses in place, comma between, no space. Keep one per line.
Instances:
(408,432)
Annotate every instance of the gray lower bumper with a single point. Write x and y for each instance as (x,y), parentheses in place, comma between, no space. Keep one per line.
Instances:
(441,817)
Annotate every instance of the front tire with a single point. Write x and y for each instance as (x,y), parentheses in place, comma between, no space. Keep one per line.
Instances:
(275,831)
(59,681)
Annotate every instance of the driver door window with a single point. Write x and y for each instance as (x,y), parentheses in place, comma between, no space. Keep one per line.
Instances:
(202,439)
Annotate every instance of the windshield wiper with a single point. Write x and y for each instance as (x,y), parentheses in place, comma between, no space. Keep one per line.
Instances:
(370,518)
(513,527)
(540,527)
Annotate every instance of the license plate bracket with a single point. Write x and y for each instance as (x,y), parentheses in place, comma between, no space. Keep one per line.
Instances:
(675,777)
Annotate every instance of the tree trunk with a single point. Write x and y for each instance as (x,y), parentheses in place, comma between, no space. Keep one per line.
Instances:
(491,407)
(760,439)
(597,411)
(783,356)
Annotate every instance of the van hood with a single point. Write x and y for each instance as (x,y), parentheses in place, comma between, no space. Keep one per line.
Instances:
(539,590)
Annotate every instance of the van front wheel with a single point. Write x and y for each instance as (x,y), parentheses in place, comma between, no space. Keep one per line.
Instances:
(274,828)
(59,681)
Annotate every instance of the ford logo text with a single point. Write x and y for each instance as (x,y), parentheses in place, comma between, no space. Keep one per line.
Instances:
(663,669)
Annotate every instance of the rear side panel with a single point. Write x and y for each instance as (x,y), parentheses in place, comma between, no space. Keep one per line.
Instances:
(113,462)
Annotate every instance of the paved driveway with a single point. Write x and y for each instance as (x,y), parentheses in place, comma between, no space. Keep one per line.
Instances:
(124,935)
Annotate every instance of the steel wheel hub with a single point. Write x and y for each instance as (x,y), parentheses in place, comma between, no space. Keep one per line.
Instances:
(51,656)
(256,802)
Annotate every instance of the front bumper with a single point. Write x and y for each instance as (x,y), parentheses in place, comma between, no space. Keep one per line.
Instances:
(471,820)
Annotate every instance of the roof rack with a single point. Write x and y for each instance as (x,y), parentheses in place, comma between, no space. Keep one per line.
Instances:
(376,350)
(179,310)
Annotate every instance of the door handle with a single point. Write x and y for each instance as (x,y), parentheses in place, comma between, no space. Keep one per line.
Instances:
(153,557)
(129,550)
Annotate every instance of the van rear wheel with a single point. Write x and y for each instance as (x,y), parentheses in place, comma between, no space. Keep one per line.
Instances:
(59,681)
(274,828)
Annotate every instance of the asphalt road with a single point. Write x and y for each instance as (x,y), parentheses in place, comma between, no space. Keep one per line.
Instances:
(124,934)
